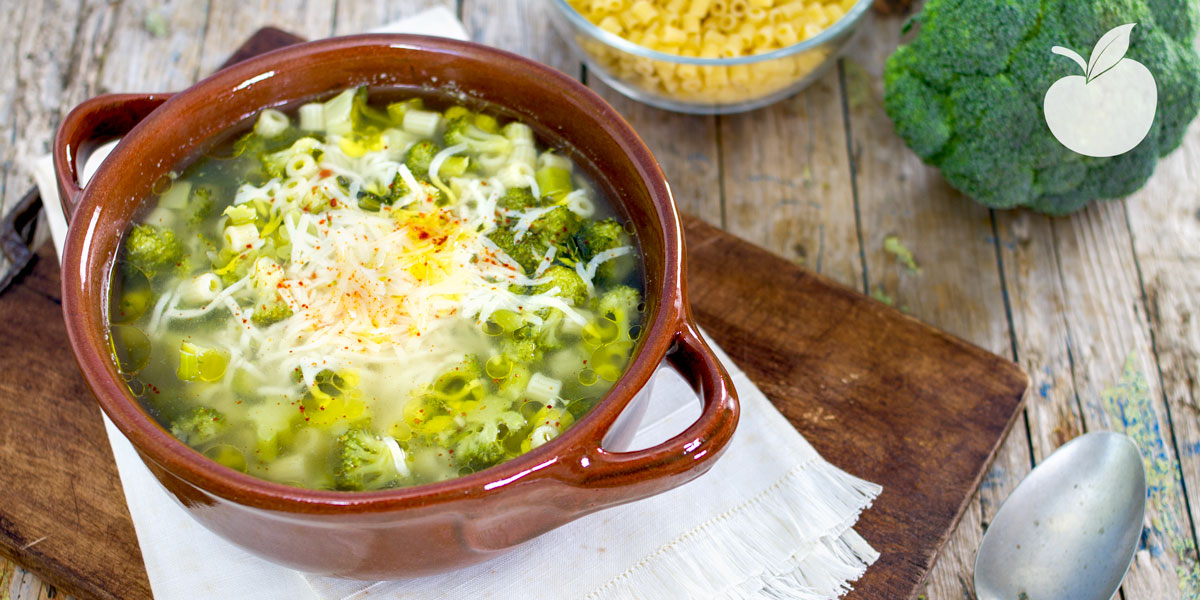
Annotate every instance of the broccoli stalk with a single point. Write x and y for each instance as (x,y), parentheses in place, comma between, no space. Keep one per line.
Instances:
(966,95)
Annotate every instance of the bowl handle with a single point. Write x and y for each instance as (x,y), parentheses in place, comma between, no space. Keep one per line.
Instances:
(641,473)
(88,125)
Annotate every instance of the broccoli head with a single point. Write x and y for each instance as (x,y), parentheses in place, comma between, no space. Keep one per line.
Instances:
(270,311)
(201,206)
(571,286)
(367,462)
(199,426)
(620,304)
(522,252)
(522,350)
(152,249)
(517,198)
(420,156)
(486,427)
(601,236)
(555,226)
(966,95)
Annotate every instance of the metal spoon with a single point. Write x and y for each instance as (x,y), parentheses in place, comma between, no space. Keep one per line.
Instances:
(1070,528)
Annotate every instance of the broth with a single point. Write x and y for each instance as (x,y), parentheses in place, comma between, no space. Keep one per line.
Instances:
(361,296)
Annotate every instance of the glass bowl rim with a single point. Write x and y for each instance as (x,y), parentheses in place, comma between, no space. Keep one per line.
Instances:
(849,20)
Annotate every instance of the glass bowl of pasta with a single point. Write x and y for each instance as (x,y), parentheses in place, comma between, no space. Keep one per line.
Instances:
(336,296)
(708,56)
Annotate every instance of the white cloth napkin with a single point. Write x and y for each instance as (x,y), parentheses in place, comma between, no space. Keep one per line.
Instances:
(771,519)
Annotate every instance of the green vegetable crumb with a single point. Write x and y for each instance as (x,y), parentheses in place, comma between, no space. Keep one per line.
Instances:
(893,245)
(155,24)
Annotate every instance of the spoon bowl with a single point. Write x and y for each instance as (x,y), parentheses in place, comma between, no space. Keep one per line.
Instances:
(1070,528)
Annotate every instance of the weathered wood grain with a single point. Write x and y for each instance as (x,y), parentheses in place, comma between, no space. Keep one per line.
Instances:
(787,182)
(865,386)
(18,584)
(63,508)
(155,47)
(949,278)
(1079,320)
(1107,328)
(363,15)
(520,27)
(1035,292)
(1164,220)
(686,147)
(1057,288)
(1164,224)
(31,97)
(232,21)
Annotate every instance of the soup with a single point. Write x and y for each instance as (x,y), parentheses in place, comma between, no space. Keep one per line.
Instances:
(361,296)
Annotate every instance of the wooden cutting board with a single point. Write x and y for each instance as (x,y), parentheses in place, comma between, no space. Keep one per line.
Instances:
(878,394)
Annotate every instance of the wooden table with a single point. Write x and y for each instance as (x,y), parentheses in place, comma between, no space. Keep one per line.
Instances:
(1097,308)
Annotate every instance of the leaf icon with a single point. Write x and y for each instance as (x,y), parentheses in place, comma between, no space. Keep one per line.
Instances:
(1109,50)
(1071,54)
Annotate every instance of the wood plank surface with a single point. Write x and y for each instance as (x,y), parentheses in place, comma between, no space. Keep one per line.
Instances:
(842,330)
(1069,299)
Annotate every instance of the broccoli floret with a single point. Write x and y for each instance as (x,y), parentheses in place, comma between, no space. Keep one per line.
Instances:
(522,350)
(479,450)
(522,252)
(201,206)
(601,236)
(571,286)
(486,428)
(556,226)
(420,156)
(151,249)
(620,304)
(966,95)
(549,335)
(198,426)
(270,311)
(517,198)
(463,130)
(366,462)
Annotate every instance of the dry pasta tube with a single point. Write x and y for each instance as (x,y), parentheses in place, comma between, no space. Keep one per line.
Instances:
(711,29)
(705,84)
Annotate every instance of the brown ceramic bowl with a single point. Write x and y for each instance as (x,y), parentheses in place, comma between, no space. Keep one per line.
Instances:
(451,523)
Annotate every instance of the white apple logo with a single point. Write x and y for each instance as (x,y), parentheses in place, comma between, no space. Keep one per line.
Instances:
(1109,109)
